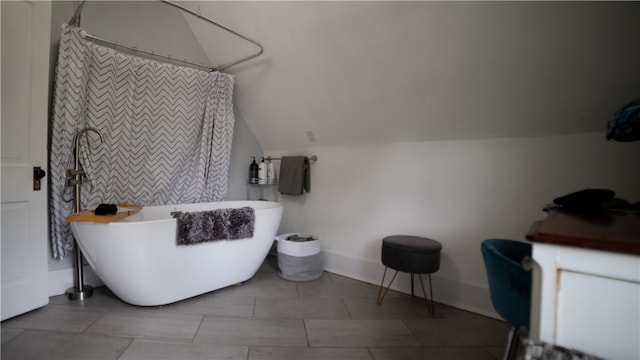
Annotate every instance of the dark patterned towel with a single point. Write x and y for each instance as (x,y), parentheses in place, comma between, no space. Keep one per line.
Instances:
(214,225)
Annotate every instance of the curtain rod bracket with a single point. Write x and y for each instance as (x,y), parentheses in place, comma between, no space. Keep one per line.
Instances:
(75,20)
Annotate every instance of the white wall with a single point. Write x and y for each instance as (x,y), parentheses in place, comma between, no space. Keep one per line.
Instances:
(150,26)
(359,72)
(243,148)
(457,192)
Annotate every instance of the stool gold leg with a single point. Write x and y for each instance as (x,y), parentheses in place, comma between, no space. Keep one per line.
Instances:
(380,298)
(432,309)
(412,285)
(384,274)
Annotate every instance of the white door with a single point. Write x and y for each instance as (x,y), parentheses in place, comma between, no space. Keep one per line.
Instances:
(25,73)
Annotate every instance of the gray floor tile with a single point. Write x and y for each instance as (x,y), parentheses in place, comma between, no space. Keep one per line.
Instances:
(357,333)
(36,344)
(268,269)
(215,303)
(240,331)
(333,317)
(450,312)
(431,353)
(8,334)
(340,290)
(339,279)
(343,280)
(155,325)
(56,318)
(301,308)
(158,350)
(271,287)
(300,353)
(460,332)
(405,307)
(325,279)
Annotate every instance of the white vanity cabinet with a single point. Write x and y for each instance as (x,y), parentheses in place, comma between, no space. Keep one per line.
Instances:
(586,283)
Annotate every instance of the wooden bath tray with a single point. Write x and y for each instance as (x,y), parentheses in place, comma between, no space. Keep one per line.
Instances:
(124,210)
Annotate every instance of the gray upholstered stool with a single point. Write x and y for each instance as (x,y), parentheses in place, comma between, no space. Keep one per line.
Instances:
(412,254)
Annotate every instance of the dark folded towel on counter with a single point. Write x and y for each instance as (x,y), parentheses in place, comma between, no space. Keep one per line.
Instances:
(214,225)
(295,175)
(106,209)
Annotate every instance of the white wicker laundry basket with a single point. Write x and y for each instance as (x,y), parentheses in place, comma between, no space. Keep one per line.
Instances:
(299,260)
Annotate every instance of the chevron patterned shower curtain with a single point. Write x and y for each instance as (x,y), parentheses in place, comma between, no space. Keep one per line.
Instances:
(167,131)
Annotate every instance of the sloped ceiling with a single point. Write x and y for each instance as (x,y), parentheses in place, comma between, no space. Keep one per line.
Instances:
(375,72)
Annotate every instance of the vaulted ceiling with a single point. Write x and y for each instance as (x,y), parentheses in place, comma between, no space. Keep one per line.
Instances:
(374,72)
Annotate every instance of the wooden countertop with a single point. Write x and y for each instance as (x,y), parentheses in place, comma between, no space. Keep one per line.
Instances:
(608,231)
(124,210)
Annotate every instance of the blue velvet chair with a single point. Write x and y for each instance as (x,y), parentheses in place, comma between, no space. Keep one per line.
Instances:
(509,285)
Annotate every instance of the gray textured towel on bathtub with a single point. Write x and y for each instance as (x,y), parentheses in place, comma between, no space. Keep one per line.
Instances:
(214,225)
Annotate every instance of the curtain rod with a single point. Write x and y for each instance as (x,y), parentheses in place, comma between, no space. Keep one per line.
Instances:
(148,52)
(197,14)
(75,21)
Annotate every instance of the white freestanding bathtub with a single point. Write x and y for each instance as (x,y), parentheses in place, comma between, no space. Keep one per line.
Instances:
(138,259)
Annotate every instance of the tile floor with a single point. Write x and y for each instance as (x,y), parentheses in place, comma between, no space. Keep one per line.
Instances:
(333,317)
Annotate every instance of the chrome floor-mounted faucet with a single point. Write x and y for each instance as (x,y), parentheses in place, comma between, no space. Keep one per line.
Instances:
(80,291)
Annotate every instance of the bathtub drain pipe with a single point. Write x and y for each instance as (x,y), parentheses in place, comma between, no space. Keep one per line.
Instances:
(80,291)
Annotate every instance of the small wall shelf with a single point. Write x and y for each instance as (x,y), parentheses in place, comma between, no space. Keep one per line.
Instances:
(261,187)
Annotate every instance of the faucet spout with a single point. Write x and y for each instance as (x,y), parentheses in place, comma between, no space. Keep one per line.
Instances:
(77,171)
(80,132)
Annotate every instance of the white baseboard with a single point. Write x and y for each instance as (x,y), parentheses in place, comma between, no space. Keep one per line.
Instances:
(446,291)
(63,279)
